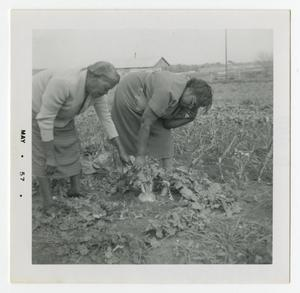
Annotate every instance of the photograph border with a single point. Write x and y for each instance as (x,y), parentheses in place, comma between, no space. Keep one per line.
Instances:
(22,271)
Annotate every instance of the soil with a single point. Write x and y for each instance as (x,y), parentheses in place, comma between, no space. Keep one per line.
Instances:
(105,228)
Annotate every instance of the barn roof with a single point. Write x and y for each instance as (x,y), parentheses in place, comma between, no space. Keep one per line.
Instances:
(139,62)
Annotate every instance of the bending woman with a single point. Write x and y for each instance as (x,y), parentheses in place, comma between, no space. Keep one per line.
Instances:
(57,97)
(147,105)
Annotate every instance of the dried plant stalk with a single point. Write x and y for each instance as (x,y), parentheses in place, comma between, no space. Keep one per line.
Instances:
(223,156)
(267,158)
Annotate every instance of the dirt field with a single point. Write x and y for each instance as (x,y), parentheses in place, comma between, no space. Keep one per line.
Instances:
(217,209)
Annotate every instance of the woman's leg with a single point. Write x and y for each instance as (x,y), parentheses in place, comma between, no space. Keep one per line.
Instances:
(75,185)
(67,147)
(167,163)
(45,191)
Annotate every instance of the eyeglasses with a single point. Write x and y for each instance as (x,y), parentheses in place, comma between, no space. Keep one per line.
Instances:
(192,104)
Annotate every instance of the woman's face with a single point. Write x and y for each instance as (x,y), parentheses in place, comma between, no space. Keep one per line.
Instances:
(188,100)
(97,86)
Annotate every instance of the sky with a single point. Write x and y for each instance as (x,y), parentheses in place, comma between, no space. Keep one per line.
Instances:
(72,48)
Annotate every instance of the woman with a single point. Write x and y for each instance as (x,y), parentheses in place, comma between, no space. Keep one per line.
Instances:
(147,105)
(57,97)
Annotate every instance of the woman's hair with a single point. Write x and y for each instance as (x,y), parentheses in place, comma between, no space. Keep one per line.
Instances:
(203,92)
(104,70)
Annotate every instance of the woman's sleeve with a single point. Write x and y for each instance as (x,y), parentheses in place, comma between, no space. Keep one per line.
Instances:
(162,98)
(102,110)
(160,101)
(53,98)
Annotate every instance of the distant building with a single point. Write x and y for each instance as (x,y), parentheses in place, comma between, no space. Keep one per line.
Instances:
(137,64)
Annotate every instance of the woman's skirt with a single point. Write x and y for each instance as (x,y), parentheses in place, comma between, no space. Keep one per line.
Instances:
(128,122)
(66,147)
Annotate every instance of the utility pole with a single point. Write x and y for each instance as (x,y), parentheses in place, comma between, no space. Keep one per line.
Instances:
(226,65)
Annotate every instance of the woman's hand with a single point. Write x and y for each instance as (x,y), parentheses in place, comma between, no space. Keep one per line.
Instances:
(181,117)
(192,113)
(184,113)
(124,158)
(139,162)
